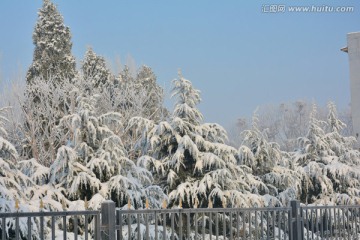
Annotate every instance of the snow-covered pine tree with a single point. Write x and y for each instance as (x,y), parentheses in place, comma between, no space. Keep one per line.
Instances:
(53,67)
(138,95)
(313,147)
(329,164)
(13,184)
(133,96)
(93,162)
(343,147)
(343,171)
(94,69)
(153,94)
(272,166)
(44,105)
(189,158)
(52,39)
(256,152)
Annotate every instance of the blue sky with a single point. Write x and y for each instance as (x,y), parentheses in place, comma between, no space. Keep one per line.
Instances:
(238,56)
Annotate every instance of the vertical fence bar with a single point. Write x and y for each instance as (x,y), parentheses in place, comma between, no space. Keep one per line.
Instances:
(312,215)
(164,225)
(196,224)
(279,224)
(64,227)
(356,221)
(321,223)
(237,224)
(180,225)
(249,224)
(217,225)
(285,223)
(108,219)
(117,215)
(352,221)
(224,225)
(129,226)
(343,218)
(156,226)
(172,226)
(335,223)
(210,225)
(203,226)
(97,227)
(318,224)
(29,228)
(244,222)
(357,228)
(120,236)
(3,228)
(188,225)
(75,228)
(273,223)
(290,227)
(262,224)
(147,225)
(138,226)
(267,224)
(339,223)
(230,225)
(348,224)
(256,225)
(331,224)
(326,222)
(307,223)
(302,223)
(17,231)
(86,227)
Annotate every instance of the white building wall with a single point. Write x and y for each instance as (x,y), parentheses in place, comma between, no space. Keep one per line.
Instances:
(353,41)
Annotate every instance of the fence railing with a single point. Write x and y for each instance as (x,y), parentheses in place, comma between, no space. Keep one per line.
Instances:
(50,225)
(330,222)
(294,223)
(237,223)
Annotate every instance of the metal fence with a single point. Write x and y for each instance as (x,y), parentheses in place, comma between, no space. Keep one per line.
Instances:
(293,223)
(335,222)
(50,225)
(252,223)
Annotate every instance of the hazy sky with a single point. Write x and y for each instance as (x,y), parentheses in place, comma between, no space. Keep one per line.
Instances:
(237,55)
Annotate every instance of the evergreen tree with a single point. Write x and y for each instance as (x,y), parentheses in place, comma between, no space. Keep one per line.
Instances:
(273,167)
(190,160)
(52,39)
(93,162)
(138,95)
(13,184)
(146,84)
(329,163)
(340,145)
(256,152)
(94,69)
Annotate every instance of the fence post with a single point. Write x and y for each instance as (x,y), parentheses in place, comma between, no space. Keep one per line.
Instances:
(296,219)
(108,220)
